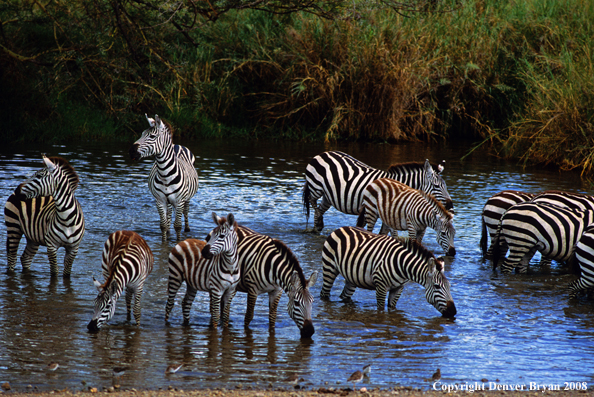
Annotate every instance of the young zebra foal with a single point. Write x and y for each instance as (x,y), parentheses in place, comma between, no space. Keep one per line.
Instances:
(173,180)
(211,267)
(384,264)
(44,209)
(401,207)
(126,262)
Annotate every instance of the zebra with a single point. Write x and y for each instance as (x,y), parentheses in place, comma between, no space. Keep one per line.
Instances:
(268,265)
(44,209)
(385,264)
(584,256)
(530,227)
(564,199)
(401,207)
(492,212)
(173,180)
(211,267)
(340,179)
(126,262)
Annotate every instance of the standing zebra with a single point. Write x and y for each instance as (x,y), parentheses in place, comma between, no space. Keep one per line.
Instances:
(493,210)
(126,262)
(211,267)
(268,265)
(385,264)
(584,255)
(340,179)
(401,207)
(173,180)
(530,227)
(44,209)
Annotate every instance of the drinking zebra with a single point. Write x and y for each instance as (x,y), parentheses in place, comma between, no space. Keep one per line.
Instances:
(401,207)
(268,265)
(340,179)
(211,267)
(493,210)
(44,209)
(173,180)
(126,262)
(584,256)
(383,264)
(530,227)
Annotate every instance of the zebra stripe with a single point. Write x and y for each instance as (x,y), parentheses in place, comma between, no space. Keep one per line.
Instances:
(44,209)
(401,207)
(268,265)
(126,262)
(493,210)
(584,255)
(211,267)
(340,180)
(173,180)
(530,227)
(563,199)
(383,264)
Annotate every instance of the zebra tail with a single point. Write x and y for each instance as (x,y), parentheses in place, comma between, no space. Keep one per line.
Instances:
(496,246)
(483,242)
(361,218)
(306,195)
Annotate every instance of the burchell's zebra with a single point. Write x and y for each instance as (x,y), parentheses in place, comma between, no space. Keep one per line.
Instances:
(584,256)
(493,210)
(530,227)
(126,262)
(173,180)
(401,207)
(340,179)
(268,265)
(211,267)
(44,209)
(384,264)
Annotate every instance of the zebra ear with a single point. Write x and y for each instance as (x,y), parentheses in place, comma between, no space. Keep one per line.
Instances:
(428,168)
(158,121)
(151,121)
(215,218)
(231,220)
(312,279)
(432,266)
(97,284)
(48,163)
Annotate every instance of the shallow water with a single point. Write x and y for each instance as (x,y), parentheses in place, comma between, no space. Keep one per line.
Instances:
(512,329)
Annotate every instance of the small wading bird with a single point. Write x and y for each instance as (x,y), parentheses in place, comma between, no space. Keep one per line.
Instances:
(53,366)
(356,377)
(173,368)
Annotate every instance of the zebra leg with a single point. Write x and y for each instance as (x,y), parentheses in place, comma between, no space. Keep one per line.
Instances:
(172,288)
(385,229)
(251,304)
(581,284)
(177,224)
(215,309)
(319,213)
(226,306)
(52,255)
(129,295)
(380,295)
(186,212)
(330,274)
(28,254)
(348,291)
(394,295)
(136,309)
(71,253)
(165,216)
(187,303)
(273,300)
(12,245)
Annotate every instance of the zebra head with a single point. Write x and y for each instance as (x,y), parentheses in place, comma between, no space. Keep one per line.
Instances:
(437,289)
(223,238)
(434,184)
(105,305)
(445,235)
(300,301)
(153,141)
(43,183)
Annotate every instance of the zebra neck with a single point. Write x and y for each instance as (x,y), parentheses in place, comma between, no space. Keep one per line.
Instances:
(229,260)
(64,201)
(167,155)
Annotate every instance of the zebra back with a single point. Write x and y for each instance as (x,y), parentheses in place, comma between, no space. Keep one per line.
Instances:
(126,262)
(383,264)
(564,199)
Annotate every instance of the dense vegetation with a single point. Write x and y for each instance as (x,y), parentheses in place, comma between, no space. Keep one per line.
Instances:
(517,75)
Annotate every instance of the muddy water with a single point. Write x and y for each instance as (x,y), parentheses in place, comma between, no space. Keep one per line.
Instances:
(516,329)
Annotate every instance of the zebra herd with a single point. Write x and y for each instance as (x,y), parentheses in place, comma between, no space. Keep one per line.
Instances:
(409,196)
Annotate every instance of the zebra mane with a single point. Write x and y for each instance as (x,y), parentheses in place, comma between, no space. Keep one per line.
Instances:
(291,258)
(412,165)
(169,128)
(440,207)
(562,192)
(71,174)
(417,248)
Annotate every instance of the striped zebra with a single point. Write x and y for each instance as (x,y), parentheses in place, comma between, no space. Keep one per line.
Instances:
(340,179)
(126,262)
(173,180)
(383,264)
(44,209)
(493,210)
(530,227)
(211,267)
(268,265)
(584,256)
(401,207)
(564,199)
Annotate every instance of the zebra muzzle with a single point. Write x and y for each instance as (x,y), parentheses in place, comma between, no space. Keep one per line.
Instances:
(93,326)
(307,330)
(206,252)
(450,310)
(134,155)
